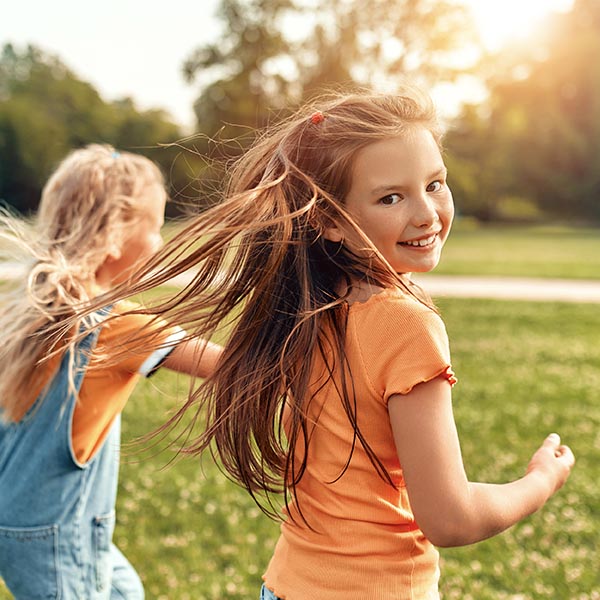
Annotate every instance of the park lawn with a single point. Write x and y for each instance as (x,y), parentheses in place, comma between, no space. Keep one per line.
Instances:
(525,369)
(548,251)
(526,251)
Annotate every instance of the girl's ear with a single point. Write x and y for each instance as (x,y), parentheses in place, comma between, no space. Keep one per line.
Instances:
(114,253)
(333,234)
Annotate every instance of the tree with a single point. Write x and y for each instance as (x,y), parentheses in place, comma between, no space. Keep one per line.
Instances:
(41,108)
(262,66)
(539,134)
(245,86)
(46,110)
(274,54)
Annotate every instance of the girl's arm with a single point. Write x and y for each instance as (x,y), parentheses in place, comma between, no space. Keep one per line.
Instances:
(194,357)
(449,509)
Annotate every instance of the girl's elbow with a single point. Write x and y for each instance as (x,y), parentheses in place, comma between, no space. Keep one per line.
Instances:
(445,537)
(449,541)
(448,521)
(447,531)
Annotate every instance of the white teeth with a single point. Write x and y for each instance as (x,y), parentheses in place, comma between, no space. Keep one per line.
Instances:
(423,242)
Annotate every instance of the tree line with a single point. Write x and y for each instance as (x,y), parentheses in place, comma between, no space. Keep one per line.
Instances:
(46,111)
(530,150)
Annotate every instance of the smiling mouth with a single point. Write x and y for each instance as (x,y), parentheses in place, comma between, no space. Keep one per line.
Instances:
(420,243)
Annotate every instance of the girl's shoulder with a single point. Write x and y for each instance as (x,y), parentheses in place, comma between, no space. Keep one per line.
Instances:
(393,311)
(393,299)
(129,322)
(399,340)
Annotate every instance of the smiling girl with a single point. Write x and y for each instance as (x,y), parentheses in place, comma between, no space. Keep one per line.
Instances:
(334,388)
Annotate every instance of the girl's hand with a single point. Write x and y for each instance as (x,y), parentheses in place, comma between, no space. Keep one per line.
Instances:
(553,461)
(450,509)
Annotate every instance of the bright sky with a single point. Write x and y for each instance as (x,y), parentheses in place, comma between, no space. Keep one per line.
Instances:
(123,47)
(499,21)
(137,47)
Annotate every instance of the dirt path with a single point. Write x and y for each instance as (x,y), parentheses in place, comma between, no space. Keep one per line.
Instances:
(503,288)
(511,288)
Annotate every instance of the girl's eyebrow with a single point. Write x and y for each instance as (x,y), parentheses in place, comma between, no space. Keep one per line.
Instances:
(383,189)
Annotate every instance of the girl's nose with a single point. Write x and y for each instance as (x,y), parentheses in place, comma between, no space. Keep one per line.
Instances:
(425,211)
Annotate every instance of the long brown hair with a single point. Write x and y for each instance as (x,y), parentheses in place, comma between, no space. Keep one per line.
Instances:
(266,272)
(85,209)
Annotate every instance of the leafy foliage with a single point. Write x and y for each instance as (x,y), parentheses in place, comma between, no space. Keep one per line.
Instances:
(46,110)
(274,54)
(539,135)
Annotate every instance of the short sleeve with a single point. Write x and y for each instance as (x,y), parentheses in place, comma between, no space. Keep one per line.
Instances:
(401,343)
(140,342)
(155,360)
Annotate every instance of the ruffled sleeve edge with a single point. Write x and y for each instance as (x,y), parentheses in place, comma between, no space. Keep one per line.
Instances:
(446,373)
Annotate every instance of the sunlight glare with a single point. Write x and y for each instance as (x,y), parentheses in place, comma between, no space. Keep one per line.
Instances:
(500,21)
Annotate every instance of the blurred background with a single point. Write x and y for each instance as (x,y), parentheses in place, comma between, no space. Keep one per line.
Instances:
(517,83)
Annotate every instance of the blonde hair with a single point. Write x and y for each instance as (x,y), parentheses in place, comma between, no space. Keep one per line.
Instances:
(84,211)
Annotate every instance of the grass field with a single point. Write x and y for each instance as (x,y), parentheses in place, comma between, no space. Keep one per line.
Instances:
(531,251)
(555,251)
(524,369)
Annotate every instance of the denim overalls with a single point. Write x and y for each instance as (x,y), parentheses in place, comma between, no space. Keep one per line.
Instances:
(267,594)
(56,515)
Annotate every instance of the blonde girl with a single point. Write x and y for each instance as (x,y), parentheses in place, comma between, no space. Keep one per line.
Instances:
(334,388)
(65,380)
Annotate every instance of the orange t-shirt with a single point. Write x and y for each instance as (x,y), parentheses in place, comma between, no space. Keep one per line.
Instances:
(106,388)
(364,543)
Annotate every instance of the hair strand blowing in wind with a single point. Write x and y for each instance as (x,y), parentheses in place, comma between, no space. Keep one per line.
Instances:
(265,271)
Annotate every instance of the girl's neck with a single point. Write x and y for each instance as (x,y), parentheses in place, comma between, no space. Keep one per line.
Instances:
(362,290)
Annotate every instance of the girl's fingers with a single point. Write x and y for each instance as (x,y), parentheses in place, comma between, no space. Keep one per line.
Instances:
(565,453)
(553,440)
(561,451)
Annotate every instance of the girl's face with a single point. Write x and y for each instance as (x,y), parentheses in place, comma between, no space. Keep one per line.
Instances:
(142,235)
(400,199)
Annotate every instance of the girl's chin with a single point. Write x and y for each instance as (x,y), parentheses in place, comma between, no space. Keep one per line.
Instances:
(417,269)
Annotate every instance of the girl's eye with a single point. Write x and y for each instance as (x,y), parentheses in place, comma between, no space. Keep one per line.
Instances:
(391,199)
(434,186)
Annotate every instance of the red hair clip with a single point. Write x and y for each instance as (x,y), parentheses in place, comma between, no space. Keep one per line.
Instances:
(317,117)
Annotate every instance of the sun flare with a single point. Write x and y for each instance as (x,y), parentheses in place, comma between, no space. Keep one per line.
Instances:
(500,21)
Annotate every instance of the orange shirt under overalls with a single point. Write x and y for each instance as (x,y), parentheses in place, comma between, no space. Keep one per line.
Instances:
(106,388)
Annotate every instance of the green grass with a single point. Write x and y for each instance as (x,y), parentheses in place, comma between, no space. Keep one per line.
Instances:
(551,251)
(533,251)
(525,369)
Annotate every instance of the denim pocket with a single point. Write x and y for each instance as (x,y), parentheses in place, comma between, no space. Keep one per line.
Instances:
(28,561)
(102,532)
